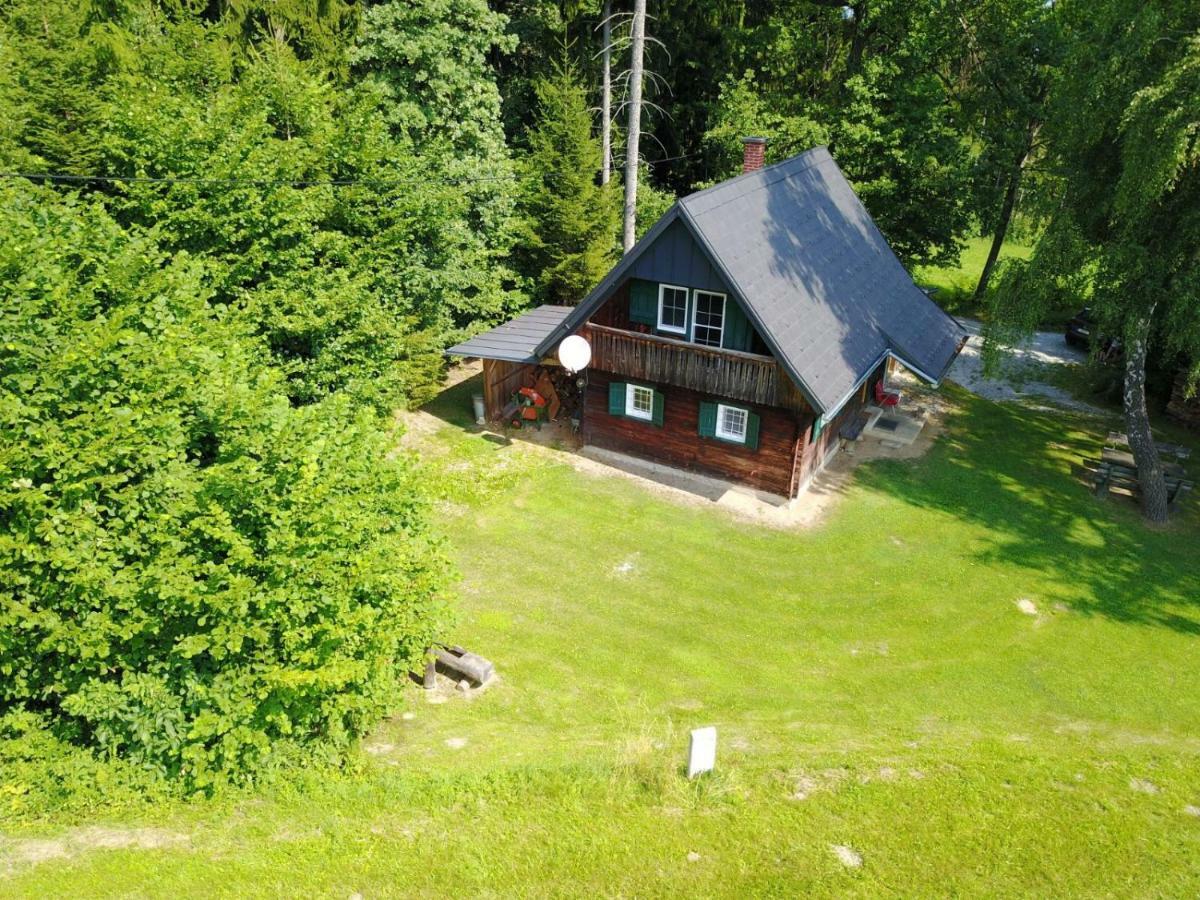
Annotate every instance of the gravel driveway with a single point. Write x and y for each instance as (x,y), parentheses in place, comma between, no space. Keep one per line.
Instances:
(1011,383)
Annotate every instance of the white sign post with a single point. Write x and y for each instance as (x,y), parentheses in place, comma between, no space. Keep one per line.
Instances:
(702,751)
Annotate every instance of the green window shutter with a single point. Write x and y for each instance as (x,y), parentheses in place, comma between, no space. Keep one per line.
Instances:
(656,414)
(752,422)
(616,398)
(708,419)
(739,333)
(643,302)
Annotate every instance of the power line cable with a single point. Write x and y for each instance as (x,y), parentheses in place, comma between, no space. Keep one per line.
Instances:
(65,178)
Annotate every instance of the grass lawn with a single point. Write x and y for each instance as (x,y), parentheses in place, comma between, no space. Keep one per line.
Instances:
(956,284)
(874,683)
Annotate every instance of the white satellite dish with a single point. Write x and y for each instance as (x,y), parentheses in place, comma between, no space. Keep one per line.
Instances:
(574,353)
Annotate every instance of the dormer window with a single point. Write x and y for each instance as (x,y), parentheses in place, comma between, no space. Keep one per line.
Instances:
(708,324)
(672,308)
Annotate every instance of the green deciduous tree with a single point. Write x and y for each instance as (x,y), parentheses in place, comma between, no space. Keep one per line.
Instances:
(430,63)
(566,244)
(1010,49)
(1123,136)
(195,573)
(867,81)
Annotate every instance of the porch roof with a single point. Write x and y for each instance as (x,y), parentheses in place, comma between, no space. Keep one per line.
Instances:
(516,340)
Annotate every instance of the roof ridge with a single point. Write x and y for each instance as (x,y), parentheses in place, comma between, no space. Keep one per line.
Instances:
(758,173)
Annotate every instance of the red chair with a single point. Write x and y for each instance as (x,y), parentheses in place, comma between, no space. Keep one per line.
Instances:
(884,397)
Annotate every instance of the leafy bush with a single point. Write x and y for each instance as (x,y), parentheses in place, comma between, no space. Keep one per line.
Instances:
(192,569)
(360,224)
(43,776)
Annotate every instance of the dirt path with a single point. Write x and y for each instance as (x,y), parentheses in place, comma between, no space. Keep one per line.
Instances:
(18,853)
(1010,384)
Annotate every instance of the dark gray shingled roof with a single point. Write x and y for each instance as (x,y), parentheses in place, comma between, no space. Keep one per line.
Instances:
(811,270)
(814,270)
(518,340)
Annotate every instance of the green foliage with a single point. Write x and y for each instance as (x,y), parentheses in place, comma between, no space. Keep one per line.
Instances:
(1122,141)
(347,283)
(313,30)
(886,117)
(357,287)
(567,244)
(1012,50)
(652,204)
(42,775)
(429,65)
(195,571)
(52,77)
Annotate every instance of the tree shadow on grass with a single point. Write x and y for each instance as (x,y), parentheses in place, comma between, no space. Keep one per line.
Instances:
(1017,472)
(453,404)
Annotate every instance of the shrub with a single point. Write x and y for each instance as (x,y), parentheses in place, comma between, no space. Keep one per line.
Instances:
(43,776)
(192,570)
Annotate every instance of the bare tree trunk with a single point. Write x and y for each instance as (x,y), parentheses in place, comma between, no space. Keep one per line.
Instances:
(606,95)
(1006,212)
(858,38)
(1137,423)
(634,129)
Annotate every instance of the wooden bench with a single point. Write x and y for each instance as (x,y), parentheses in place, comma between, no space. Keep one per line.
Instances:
(1120,441)
(1111,474)
(853,429)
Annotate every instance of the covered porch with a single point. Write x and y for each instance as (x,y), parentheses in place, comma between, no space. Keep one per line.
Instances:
(518,384)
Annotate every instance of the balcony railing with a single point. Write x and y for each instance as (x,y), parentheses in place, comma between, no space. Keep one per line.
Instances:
(708,370)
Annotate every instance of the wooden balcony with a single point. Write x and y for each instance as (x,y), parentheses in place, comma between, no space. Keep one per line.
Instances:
(722,373)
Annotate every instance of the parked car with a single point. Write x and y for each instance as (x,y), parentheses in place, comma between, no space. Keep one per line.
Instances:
(1080,329)
(1081,332)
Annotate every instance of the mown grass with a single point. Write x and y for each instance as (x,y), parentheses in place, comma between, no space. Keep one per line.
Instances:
(873,682)
(955,285)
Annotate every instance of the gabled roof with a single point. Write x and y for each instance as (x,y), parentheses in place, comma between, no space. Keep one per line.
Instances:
(814,274)
(518,340)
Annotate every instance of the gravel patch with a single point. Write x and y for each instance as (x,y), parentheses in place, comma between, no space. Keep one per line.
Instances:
(1010,383)
(847,856)
(1027,606)
(1142,786)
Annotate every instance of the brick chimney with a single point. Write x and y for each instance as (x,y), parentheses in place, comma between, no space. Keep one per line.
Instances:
(753,149)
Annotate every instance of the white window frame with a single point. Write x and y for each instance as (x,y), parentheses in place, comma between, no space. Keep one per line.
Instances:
(728,435)
(696,312)
(631,410)
(673,329)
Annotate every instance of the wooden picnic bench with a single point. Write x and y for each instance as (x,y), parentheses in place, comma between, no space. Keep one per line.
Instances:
(853,429)
(1119,441)
(1117,469)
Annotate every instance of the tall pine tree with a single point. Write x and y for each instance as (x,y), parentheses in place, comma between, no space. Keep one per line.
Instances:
(569,218)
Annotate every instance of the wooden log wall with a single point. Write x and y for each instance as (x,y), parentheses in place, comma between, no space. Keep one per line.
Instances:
(614,312)
(500,380)
(812,453)
(722,373)
(678,443)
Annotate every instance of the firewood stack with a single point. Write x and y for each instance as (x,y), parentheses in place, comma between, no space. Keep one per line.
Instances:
(569,394)
(1184,410)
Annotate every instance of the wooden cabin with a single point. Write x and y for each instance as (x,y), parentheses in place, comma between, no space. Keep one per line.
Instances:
(741,333)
